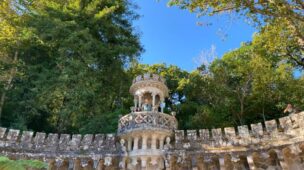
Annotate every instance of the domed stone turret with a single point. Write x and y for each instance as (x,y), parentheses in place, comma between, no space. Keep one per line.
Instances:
(147,129)
(149,92)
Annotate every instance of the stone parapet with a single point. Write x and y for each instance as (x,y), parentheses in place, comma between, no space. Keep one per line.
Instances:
(149,76)
(283,131)
(228,146)
(146,121)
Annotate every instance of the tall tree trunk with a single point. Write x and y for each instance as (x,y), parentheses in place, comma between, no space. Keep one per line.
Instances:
(9,84)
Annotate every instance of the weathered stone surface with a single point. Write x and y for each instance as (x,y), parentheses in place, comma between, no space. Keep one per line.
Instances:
(230,135)
(271,128)
(243,131)
(87,141)
(99,141)
(191,135)
(12,137)
(52,142)
(301,120)
(244,135)
(204,134)
(26,139)
(39,140)
(110,141)
(229,132)
(179,136)
(2,132)
(63,141)
(285,123)
(257,130)
(75,142)
(216,133)
(217,137)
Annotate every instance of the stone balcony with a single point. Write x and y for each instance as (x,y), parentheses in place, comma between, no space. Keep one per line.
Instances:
(146,120)
(148,76)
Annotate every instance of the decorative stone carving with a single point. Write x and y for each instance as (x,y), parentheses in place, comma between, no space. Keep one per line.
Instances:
(258,161)
(301,154)
(123,148)
(142,120)
(90,165)
(167,146)
(181,157)
(292,161)
(100,165)
(273,161)
(108,161)
(64,165)
(201,165)
(77,164)
(227,162)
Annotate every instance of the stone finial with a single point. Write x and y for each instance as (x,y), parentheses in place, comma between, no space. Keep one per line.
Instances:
(167,146)
(123,148)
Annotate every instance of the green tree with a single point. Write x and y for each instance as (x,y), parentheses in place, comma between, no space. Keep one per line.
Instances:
(281,21)
(72,62)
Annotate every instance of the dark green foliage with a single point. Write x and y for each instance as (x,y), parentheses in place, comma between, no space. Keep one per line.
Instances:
(72,63)
(7,164)
(66,67)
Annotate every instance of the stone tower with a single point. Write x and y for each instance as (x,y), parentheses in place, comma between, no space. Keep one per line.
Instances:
(146,130)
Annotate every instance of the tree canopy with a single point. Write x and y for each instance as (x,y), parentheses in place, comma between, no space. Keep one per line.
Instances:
(281,22)
(66,66)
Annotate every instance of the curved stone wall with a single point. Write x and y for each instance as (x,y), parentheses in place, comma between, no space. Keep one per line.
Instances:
(262,145)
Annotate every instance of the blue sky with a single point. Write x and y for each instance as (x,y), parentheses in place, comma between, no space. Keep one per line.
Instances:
(178,37)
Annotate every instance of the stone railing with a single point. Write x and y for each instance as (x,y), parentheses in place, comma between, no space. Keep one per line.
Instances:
(12,140)
(146,120)
(272,143)
(149,76)
(272,133)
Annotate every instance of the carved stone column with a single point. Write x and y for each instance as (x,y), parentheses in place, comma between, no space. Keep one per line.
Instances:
(162,105)
(153,142)
(153,99)
(136,139)
(144,141)
(161,142)
(143,162)
(139,100)
(135,102)
(129,143)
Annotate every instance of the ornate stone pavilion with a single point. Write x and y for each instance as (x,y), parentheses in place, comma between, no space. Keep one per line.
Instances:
(148,139)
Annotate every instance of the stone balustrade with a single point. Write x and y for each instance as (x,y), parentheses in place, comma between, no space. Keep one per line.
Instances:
(146,120)
(149,76)
(283,131)
(271,143)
